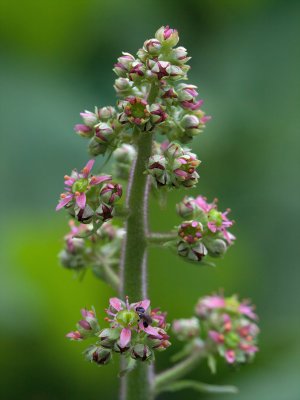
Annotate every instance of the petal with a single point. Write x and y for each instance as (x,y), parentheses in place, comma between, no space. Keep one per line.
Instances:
(87,169)
(115,303)
(95,180)
(125,337)
(230,356)
(212,227)
(152,331)
(63,202)
(69,182)
(81,200)
(144,303)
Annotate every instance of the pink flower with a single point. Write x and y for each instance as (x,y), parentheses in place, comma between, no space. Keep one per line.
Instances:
(216,336)
(78,184)
(75,335)
(247,310)
(230,356)
(201,202)
(135,317)
(218,222)
(208,303)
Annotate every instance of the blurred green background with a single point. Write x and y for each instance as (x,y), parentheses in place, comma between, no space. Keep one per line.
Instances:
(56,60)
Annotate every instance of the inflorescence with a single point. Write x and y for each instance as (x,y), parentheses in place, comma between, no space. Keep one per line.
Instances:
(151,101)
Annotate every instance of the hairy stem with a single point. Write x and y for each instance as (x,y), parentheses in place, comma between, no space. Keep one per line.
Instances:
(137,384)
(158,239)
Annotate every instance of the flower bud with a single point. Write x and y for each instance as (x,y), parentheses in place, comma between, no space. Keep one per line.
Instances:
(83,130)
(157,169)
(99,355)
(185,209)
(90,119)
(123,65)
(123,86)
(108,337)
(159,68)
(111,193)
(71,261)
(106,113)
(136,71)
(175,72)
(185,329)
(96,148)
(84,215)
(125,154)
(194,252)
(158,114)
(215,247)
(167,36)
(75,335)
(152,46)
(105,212)
(104,133)
(179,55)
(190,231)
(186,92)
(141,352)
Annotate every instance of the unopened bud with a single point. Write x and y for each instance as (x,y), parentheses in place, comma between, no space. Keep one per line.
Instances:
(167,36)
(141,352)
(111,193)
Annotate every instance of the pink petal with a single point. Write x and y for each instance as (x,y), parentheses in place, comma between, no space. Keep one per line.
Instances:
(116,303)
(95,180)
(144,303)
(63,202)
(69,182)
(230,356)
(81,200)
(125,337)
(179,172)
(152,331)
(212,227)
(87,169)
(215,336)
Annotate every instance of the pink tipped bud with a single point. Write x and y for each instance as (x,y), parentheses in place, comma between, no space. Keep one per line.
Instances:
(167,36)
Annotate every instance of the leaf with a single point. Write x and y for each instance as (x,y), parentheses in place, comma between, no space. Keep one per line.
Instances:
(212,364)
(199,387)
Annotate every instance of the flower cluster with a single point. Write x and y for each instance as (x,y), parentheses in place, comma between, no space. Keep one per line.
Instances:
(173,166)
(136,111)
(226,327)
(86,248)
(123,159)
(88,197)
(135,332)
(175,111)
(204,231)
(101,127)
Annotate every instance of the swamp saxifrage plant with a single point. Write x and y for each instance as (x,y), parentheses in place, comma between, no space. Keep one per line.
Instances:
(147,135)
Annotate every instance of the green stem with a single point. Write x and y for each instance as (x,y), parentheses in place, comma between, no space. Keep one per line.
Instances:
(159,239)
(137,384)
(111,277)
(178,370)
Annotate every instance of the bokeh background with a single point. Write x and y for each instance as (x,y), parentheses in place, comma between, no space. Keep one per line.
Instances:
(56,60)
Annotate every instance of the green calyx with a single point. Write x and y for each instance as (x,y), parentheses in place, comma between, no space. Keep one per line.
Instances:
(215,216)
(138,110)
(232,340)
(80,185)
(127,318)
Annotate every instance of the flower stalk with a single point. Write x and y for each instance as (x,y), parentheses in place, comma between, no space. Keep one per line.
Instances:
(137,384)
